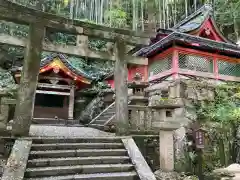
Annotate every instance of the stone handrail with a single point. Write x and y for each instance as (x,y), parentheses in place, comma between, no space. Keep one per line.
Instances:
(142,168)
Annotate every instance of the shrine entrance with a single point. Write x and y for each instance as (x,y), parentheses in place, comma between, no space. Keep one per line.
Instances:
(51,106)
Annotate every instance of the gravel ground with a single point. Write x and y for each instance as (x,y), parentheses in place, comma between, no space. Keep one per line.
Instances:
(44,130)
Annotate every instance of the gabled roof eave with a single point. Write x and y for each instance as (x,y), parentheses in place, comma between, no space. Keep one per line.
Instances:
(186,37)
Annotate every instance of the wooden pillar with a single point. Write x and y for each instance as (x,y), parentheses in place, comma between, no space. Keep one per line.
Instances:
(175,64)
(71,103)
(29,79)
(120,80)
(215,68)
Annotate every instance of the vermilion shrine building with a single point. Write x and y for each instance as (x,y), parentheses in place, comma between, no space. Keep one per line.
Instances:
(57,82)
(194,47)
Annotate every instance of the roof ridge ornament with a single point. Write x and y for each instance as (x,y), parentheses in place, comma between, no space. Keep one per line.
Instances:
(209,7)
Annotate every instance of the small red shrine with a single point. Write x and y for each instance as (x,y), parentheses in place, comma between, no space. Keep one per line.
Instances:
(57,82)
(193,47)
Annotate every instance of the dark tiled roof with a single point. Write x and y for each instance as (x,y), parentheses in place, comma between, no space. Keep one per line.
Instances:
(195,20)
(186,38)
(190,23)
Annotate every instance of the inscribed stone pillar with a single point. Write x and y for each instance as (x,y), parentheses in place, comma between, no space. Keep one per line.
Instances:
(120,79)
(166,150)
(29,79)
(71,103)
(166,146)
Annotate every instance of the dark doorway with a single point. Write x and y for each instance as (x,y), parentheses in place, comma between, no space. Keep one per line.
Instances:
(49,100)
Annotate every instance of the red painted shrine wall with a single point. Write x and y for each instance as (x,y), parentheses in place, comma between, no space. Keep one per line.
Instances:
(143,70)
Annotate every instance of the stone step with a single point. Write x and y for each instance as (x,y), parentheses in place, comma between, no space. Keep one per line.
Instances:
(106,116)
(49,121)
(61,146)
(43,140)
(69,161)
(100,121)
(100,176)
(97,126)
(111,112)
(80,169)
(77,153)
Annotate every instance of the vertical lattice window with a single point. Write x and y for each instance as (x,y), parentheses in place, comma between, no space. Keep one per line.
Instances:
(228,68)
(160,65)
(196,63)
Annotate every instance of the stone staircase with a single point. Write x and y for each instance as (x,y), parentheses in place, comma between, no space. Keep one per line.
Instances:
(105,158)
(103,118)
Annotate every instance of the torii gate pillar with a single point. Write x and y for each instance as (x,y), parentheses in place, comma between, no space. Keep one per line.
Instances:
(120,80)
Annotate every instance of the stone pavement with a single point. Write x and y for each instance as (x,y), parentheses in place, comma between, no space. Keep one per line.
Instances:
(44,130)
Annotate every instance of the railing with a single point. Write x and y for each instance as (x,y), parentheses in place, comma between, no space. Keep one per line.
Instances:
(112,118)
(141,118)
(195,63)
(160,65)
(102,113)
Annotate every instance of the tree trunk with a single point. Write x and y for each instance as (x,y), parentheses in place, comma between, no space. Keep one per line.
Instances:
(151,16)
(142,15)
(29,79)
(134,20)
(120,79)
(186,8)
(222,152)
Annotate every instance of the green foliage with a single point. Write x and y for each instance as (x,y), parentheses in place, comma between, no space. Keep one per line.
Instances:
(117,17)
(92,68)
(221,119)
(224,109)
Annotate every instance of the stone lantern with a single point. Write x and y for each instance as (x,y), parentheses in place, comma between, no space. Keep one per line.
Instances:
(138,96)
(165,123)
(138,103)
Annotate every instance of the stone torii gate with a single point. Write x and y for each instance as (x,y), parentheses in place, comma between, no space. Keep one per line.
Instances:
(38,23)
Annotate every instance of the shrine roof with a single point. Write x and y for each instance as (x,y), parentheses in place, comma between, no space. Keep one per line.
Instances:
(63,58)
(194,21)
(90,73)
(191,40)
(187,31)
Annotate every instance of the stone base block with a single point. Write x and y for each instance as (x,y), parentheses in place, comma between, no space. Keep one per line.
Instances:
(160,175)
